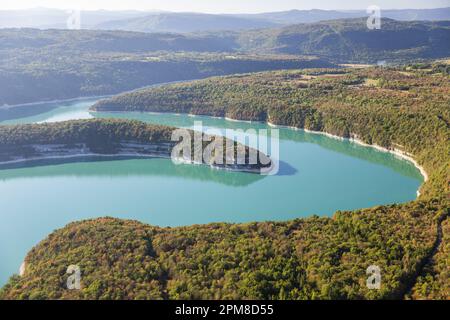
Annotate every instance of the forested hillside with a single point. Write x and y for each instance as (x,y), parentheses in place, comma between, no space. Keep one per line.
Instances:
(47,65)
(40,65)
(37,65)
(105,74)
(110,137)
(434,282)
(314,258)
(95,131)
(352,41)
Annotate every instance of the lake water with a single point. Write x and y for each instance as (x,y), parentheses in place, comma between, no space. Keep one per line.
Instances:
(318,175)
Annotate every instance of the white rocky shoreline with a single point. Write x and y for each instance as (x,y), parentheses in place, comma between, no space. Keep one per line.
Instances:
(125,149)
(354,139)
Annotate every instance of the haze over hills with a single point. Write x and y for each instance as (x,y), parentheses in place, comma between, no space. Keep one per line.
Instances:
(44,18)
(187,22)
(315,15)
(183,22)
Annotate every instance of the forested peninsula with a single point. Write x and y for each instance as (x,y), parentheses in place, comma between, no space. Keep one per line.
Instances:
(114,138)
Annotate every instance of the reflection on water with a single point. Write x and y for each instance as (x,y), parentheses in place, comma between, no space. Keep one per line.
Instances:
(343,146)
(108,167)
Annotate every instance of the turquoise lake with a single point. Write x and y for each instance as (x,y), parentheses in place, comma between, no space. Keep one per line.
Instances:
(318,175)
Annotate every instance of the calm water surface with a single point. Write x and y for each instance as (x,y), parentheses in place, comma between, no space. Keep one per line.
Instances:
(318,175)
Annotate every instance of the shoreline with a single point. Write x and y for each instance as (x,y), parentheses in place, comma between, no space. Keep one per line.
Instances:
(397,152)
(354,139)
(235,120)
(36,103)
(403,155)
(29,104)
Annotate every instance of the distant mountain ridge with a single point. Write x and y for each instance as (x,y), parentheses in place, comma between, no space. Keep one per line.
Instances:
(43,18)
(195,22)
(185,22)
(315,15)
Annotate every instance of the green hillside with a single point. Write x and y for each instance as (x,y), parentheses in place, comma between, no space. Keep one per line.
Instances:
(40,65)
(352,41)
(314,258)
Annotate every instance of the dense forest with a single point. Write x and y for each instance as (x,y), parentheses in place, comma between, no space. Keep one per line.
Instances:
(315,258)
(338,40)
(95,131)
(34,68)
(434,283)
(41,65)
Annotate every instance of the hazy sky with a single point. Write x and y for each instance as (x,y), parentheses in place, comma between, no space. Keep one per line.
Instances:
(221,6)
